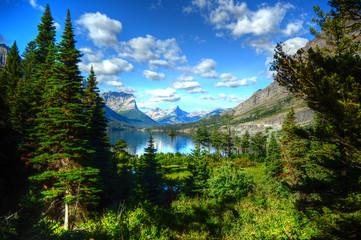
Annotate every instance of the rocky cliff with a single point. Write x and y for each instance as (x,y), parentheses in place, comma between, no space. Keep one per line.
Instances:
(4,51)
(122,110)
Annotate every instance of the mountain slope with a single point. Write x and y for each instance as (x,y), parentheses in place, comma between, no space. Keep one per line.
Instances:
(266,108)
(122,110)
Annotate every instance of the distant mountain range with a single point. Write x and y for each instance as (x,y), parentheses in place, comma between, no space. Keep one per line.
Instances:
(177,115)
(122,112)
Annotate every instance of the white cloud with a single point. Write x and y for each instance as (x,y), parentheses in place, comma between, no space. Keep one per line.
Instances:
(153,75)
(229,80)
(156,64)
(146,105)
(101,29)
(263,44)
(92,56)
(163,95)
(293,28)
(292,45)
(144,49)
(112,66)
(35,5)
(200,3)
(191,87)
(57,26)
(226,11)
(120,86)
(223,97)
(184,78)
(265,20)
(206,69)
(239,20)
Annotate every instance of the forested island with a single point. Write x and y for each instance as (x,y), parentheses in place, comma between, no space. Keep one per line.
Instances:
(60,178)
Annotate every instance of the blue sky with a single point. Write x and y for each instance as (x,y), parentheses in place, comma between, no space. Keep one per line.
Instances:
(198,54)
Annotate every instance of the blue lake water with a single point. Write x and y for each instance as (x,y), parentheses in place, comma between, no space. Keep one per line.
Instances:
(138,140)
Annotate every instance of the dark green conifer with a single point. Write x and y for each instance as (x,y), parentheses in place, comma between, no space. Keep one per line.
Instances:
(274,166)
(45,36)
(62,152)
(96,120)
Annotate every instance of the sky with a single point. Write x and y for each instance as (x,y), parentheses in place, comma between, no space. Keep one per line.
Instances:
(197,54)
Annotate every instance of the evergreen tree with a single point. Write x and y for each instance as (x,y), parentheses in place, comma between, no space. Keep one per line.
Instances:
(197,183)
(258,144)
(62,152)
(151,184)
(11,73)
(28,63)
(96,120)
(45,37)
(274,166)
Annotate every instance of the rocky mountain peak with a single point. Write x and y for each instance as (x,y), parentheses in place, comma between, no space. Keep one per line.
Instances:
(119,101)
(4,52)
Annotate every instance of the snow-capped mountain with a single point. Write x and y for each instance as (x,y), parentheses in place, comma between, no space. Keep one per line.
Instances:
(177,115)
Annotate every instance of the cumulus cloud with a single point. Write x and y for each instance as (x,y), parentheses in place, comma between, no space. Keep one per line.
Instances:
(293,28)
(265,20)
(292,45)
(239,20)
(229,80)
(153,75)
(163,95)
(101,29)
(223,97)
(120,86)
(35,5)
(184,78)
(92,56)
(112,66)
(206,69)
(196,4)
(262,44)
(144,49)
(156,64)
(191,87)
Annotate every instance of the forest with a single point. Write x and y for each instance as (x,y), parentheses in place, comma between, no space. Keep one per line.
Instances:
(60,178)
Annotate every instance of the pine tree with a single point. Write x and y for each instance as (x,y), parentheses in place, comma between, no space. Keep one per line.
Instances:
(96,120)
(197,183)
(11,73)
(45,37)
(274,166)
(151,184)
(61,132)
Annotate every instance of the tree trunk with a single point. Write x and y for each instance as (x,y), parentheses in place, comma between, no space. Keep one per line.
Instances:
(66,216)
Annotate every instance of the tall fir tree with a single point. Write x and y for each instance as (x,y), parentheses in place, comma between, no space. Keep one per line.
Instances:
(97,122)
(62,152)
(11,73)
(151,181)
(45,36)
(274,166)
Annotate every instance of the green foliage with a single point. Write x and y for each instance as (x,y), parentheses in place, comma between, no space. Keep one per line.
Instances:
(274,166)
(245,144)
(258,144)
(229,183)
(197,183)
(119,145)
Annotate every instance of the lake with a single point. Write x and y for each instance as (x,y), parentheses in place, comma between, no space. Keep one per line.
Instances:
(138,140)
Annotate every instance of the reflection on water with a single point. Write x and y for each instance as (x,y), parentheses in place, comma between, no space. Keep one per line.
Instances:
(163,143)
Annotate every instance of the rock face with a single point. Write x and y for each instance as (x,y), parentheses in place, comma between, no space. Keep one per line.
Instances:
(4,52)
(119,101)
(122,110)
(177,115)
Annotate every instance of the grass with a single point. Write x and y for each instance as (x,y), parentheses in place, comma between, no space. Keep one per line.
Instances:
(175,171)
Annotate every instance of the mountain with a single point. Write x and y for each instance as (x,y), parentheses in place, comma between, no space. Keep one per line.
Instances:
(178,116)
(4,52)
(265,109)
(121,110)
